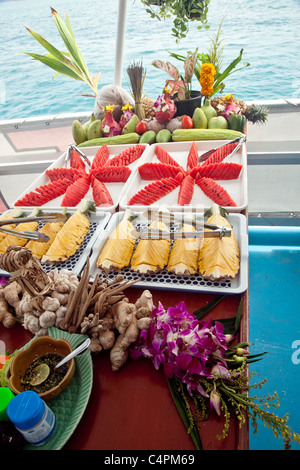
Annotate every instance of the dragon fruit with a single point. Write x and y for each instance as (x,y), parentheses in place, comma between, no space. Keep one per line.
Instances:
(165,107)
(126,116)
(110,126)
(230,107)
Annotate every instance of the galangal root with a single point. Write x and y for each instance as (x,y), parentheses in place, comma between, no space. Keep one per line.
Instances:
(99,309)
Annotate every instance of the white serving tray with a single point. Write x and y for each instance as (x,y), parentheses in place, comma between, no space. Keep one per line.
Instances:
(75,263)
(115,189)
(167,281)
(237,188)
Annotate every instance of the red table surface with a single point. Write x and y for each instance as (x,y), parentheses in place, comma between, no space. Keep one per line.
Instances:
(133,409)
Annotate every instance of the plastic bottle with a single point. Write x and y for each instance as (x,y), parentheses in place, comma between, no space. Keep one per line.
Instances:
(32,417)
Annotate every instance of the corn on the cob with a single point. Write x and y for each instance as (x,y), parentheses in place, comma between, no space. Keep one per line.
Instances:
(71,236)
(183,258)
(219,258)
(40,249)
(14,239)
(151,256)
(15,213)
(118,249)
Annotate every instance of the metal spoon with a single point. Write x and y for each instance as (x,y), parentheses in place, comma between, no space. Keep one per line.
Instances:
(74,353)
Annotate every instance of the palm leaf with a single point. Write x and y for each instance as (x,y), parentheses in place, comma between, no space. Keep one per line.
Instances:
(70,42)
(49,47)
(56,65)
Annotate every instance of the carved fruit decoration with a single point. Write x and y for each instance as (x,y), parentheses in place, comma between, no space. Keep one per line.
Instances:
(110,126)
(165,107)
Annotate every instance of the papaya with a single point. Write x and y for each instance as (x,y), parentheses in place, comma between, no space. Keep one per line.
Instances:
(78,132)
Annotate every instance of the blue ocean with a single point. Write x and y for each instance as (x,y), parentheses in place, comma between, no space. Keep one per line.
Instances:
(267,31)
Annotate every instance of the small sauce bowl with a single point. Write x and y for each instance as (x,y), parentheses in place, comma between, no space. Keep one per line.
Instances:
(39,347)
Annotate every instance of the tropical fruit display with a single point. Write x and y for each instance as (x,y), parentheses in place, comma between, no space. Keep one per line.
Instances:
(67,185)
(214,258)
(182,167)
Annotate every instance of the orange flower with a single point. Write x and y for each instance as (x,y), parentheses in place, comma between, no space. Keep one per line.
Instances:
(207,78)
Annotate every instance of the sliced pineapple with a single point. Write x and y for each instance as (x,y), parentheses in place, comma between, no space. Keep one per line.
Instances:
(118,249)
(71,236)
(40,249)
(15,213)
(19,241)
(183,258)
(219,258)
(150,256)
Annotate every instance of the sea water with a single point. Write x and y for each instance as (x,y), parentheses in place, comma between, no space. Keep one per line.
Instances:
(267,31)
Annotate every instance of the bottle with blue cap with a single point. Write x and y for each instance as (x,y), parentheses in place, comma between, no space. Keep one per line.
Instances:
(32,417)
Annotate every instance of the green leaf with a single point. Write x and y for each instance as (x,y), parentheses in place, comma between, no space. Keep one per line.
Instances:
(56,65)
(201,312)
(181,408)
(70,42)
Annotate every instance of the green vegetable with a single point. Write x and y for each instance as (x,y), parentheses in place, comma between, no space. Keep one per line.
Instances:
(237,122)
(131,138)
(149,137)
(218,122)
(164,135)
(131,125)
(208,110)
(180,135)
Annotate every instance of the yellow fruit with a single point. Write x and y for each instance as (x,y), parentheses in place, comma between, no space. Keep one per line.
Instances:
(183,258)
(40,249)
(69,238)
(151,256)
(14,239)
(219,257)
(118,249)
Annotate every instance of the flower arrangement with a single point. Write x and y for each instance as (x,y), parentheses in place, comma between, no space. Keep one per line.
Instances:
(204,372)
(181,84)
(207,78)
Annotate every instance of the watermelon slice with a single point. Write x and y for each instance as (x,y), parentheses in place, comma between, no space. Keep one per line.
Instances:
(31,199)
(76,160)
(186,191)
(45,193)
(112,174)
(75,192)
(220,153)
(156,171)
(55,174)
(127,156)
(215,192)
(101,157)
(192,156)
(154,191)
(101,194)
(164,157)
(218,171)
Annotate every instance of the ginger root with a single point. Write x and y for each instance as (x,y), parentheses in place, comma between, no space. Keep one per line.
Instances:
(140,318)
(6,317)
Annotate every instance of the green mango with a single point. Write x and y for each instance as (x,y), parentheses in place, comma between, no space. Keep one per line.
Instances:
(199,119)
(95,130)
(131,125)
(217,122)
(87,124)
(78,132)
